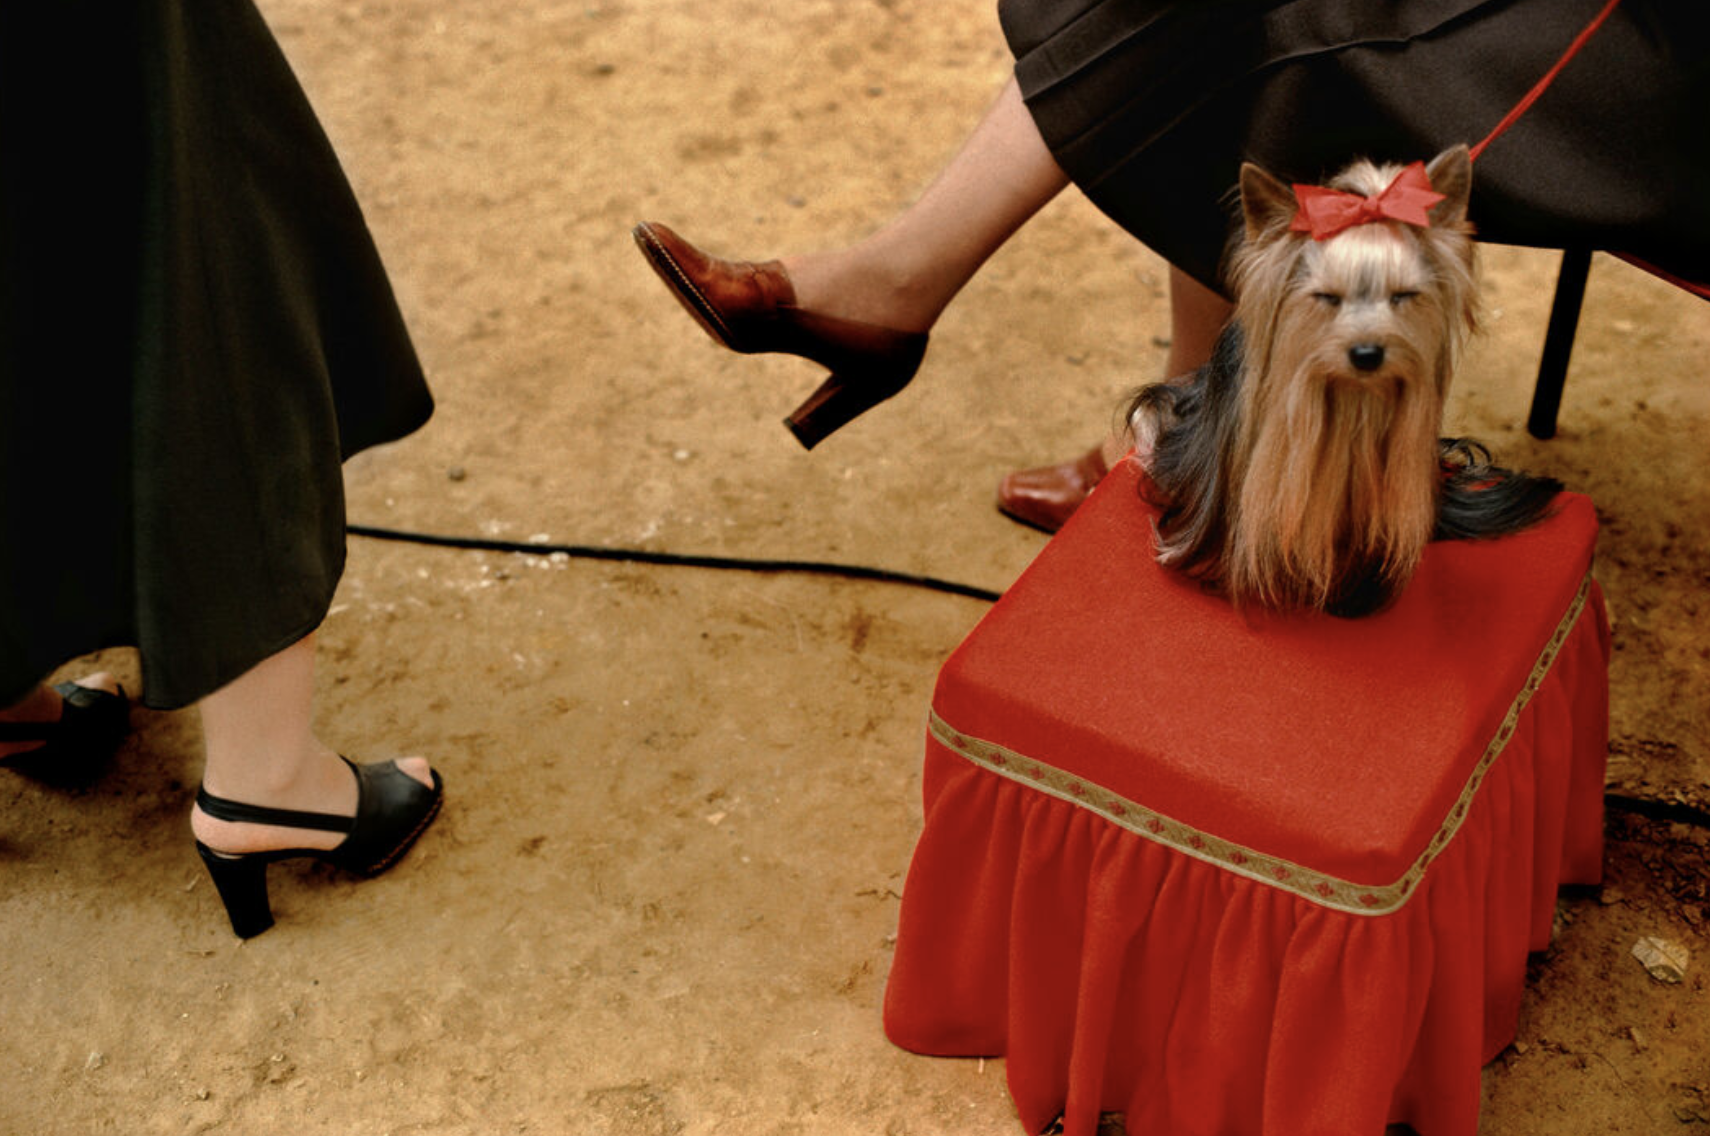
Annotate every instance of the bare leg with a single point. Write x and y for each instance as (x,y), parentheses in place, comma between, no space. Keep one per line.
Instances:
(905,274)
(45,705)
(1047,496)
(262,750)
(1197,316)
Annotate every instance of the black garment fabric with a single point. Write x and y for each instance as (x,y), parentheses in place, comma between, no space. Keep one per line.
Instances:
(1151,106)
(195,330)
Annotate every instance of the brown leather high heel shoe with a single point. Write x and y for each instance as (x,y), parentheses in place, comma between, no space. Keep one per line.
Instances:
(1048,496)
(751,308)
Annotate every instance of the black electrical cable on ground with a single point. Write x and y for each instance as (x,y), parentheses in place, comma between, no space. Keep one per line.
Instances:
(1674,812)
(680,560)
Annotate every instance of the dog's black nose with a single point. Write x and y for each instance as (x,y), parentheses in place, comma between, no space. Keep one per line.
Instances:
(1366,356)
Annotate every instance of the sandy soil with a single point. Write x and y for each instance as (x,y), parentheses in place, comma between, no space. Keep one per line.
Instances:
(662,895)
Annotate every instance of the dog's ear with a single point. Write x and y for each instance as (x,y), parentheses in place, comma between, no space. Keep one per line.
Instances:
(1265,201)
(1451,175)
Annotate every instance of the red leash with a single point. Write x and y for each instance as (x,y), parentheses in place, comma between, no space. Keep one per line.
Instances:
(1525,104)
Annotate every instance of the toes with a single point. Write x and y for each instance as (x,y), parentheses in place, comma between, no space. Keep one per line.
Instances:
(418,768)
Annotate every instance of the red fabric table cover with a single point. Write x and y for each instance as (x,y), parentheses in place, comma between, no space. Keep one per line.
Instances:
(1248,874)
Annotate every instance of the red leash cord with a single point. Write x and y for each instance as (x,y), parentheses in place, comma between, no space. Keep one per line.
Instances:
(1531,97)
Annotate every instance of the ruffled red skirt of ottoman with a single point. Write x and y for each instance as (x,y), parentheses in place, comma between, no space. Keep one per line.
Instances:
(1253,874)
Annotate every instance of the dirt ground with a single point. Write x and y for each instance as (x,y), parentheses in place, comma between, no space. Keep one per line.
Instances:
(662,895)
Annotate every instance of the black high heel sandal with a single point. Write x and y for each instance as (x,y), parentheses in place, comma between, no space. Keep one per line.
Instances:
(392,809)
(77,746)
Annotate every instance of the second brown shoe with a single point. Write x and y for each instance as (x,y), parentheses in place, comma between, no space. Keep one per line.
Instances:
(1048,496)
(750,307)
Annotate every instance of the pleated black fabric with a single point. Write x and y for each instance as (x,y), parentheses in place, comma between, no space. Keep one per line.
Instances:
(195,330)
(1150,106)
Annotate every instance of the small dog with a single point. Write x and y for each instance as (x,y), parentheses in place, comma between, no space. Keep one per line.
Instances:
(1302,467)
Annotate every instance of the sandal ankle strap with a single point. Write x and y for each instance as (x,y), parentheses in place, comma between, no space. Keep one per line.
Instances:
(239,813)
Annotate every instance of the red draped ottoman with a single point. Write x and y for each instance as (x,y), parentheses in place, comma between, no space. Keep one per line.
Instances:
(1234,873)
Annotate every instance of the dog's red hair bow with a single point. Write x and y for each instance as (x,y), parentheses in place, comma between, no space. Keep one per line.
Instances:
(1326,212)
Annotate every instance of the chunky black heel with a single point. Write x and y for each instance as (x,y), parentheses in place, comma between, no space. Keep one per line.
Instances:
(77,747)
(868,365)
(242,884)
(392,809)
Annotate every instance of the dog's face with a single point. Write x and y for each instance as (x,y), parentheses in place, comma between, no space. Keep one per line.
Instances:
(1364,312)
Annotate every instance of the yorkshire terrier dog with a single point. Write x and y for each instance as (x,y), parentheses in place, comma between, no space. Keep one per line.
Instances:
(1302,467)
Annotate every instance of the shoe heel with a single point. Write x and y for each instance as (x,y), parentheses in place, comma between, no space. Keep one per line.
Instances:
(868,365)
(830,408)
(242,884)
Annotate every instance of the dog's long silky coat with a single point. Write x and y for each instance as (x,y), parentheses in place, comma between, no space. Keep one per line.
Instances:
(1303,466)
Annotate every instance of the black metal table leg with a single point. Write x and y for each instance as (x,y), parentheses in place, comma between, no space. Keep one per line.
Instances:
(1558,342)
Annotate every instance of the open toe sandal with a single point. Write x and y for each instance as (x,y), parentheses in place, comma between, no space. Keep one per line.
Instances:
(392,809)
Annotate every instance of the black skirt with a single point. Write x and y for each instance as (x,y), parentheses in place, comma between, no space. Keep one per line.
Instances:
(1151,106)
(195,330)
